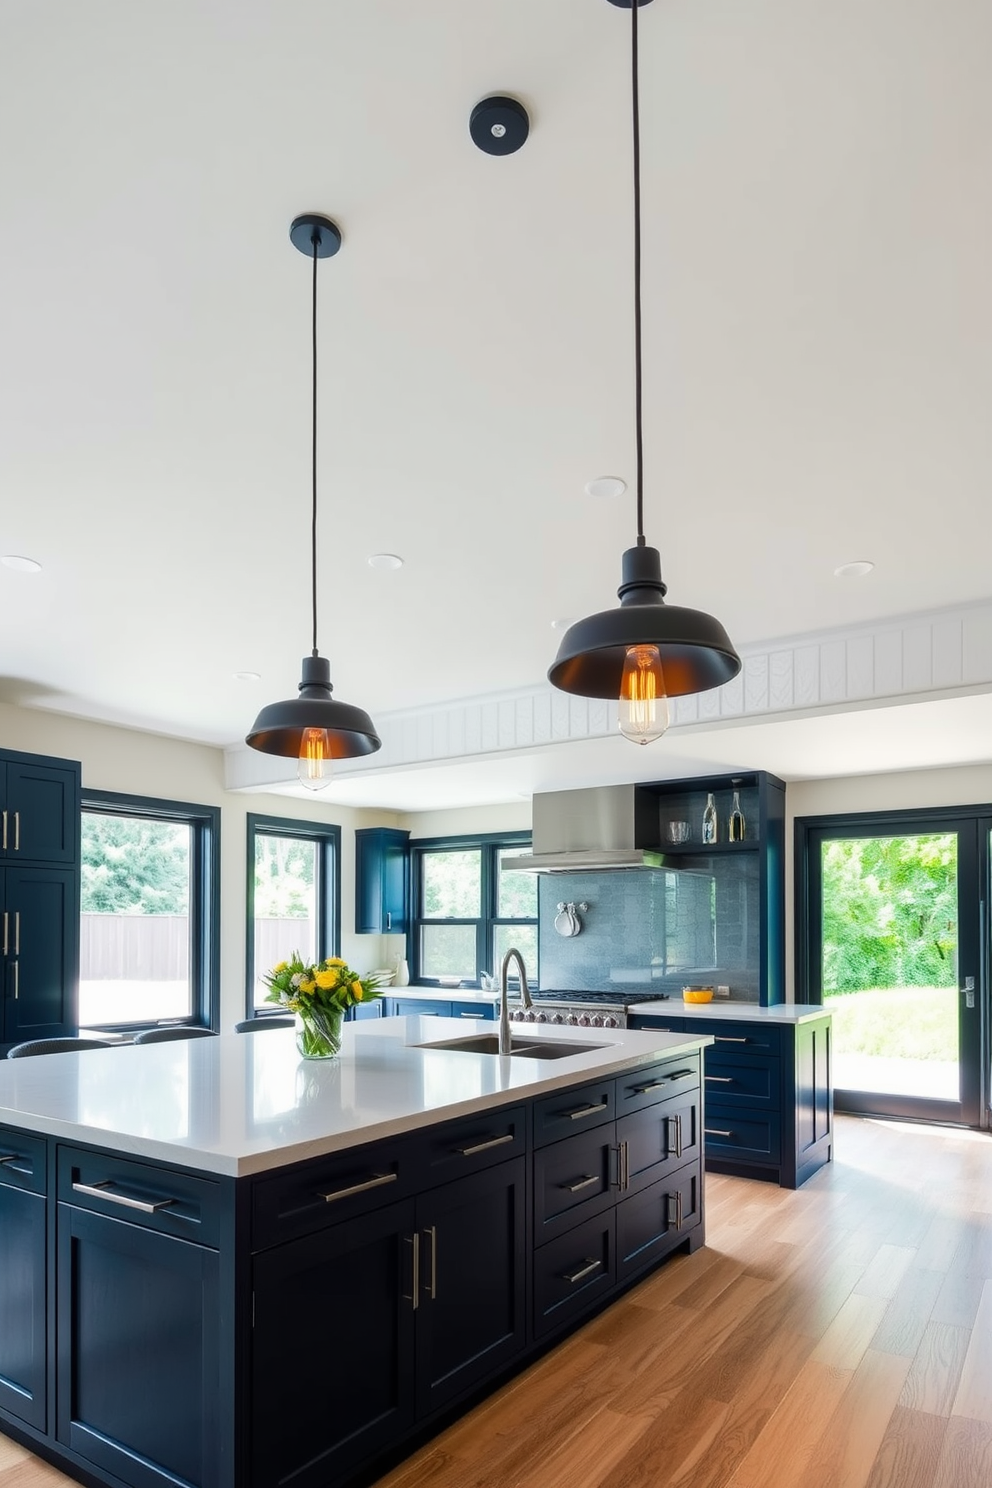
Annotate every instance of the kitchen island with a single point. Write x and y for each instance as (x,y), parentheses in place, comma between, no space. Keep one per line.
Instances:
(258,1268)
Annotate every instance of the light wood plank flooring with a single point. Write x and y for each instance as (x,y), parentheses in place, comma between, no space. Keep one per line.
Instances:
(836,1337)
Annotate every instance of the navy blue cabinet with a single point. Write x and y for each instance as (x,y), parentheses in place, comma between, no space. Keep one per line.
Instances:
(39,897)
(138,1322)
(381,872)
(333,1317)
(23,1253)
(769,1094)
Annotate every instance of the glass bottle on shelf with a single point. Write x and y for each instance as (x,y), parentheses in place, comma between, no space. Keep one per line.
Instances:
(709,819)
(736,825)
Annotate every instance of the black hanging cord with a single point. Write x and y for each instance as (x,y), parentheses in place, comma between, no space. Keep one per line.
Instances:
(315,240)
(636,122)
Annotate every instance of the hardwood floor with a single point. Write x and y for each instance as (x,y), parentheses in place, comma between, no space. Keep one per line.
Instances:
(835,1337)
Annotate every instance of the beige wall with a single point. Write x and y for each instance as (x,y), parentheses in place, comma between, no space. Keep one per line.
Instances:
(966,785)
(150,765)
(512,818)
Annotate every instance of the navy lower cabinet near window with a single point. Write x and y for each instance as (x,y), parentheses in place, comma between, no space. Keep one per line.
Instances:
(769,1091)
(306,1323)
(23,1265)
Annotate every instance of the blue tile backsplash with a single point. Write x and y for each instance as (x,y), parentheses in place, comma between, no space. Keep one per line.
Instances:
(654,930)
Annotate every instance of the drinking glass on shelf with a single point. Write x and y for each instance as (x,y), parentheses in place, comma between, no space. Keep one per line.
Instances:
(678,831)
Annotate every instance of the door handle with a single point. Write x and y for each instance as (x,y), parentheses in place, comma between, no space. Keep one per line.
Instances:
(17,932)
(4,842)
(17,831)
(968,991)
(6,927)
(431,1233)
(414,1297)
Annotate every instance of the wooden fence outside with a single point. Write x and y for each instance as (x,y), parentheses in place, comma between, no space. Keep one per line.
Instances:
(155,948)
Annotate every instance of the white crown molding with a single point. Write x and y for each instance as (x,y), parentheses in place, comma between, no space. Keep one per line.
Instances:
(913,658)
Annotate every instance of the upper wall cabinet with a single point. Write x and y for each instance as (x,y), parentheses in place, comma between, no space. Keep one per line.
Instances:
(39,800)
(381,876)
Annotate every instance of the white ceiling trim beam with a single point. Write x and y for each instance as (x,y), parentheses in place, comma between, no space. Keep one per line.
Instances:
(919,657)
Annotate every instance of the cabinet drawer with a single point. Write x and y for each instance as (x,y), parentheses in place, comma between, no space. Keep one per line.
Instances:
(751,1080)
(573,1272)
(572,1180)
(154,1198)
(485,1010)
(655,1221)
(645,1087)
(22,1161)
(746,1136)
(577,1109)
(657,1140)
(341,1186)
(657,1022)
(467,1146)
(423,1007)
(738,1038)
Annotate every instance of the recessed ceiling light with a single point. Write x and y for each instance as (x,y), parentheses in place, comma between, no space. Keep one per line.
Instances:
(561,624)
(853,570)
(248,676)
(606,487)
(385,560)
(23,565)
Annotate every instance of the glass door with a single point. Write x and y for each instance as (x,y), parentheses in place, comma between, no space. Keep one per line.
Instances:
(894,947)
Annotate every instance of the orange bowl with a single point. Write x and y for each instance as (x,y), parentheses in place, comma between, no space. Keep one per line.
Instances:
(697,994)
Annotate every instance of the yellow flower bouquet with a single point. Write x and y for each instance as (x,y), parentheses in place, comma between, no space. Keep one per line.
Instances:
(319,995)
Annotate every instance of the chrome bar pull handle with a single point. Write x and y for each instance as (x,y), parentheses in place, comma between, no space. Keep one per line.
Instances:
(414,1297)
(726,1038)
(714,1131)
(721,1079)
(4,843)
(17,980)
(582,1183)
(17,831)
(17,932)
(581,1111)
(6,927)
(484,1146)
(431,1232)
(376,1181)
(573,1276)
(104,1190)
(675,1143)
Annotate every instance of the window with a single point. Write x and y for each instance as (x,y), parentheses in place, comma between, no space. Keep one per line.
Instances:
(294,900)
(469,909)
(150,908)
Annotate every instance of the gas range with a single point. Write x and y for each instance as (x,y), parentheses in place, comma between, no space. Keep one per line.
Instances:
(583,1009)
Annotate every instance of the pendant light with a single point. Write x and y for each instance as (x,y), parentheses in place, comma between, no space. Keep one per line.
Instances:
(646,651)
(314,728)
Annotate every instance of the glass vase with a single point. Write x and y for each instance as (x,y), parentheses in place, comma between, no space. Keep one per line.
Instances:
(318,1032)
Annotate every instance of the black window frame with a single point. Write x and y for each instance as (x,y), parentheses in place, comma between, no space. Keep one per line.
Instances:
(490,844)
(204,898)
(326,836)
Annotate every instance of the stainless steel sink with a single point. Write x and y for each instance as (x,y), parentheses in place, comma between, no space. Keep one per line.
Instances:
(488,1043)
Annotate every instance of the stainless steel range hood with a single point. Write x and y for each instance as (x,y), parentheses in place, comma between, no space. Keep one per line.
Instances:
(575,831)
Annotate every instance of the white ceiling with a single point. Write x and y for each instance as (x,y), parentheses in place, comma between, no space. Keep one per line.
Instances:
(818,338)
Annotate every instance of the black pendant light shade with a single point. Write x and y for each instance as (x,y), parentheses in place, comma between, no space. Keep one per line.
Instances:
(279,728)
(314,728)
(646,651)
(696,652)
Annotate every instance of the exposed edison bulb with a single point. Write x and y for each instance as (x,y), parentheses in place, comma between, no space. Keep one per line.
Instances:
(314,769)
(643,699)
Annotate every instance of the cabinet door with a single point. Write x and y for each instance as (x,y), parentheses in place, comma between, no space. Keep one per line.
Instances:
(334,1321)
(138,1344)
(656,1140)
(41,966)
(658,1219)
(22,1282)
(380,881)
(470,1319)
(41,814)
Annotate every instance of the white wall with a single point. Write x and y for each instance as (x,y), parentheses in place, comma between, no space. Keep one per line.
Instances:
(965,785)
(144,764)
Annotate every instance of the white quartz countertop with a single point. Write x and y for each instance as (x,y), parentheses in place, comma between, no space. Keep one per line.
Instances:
(246,1102)
(739,1012)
